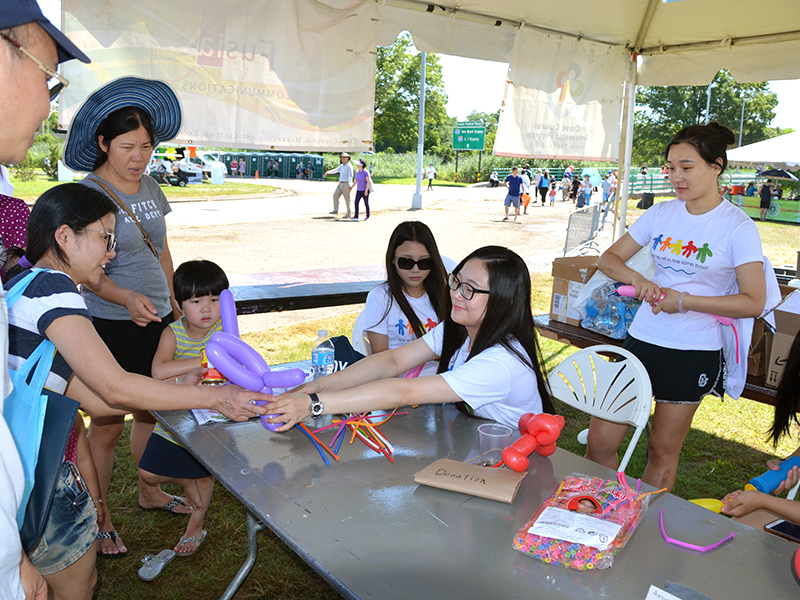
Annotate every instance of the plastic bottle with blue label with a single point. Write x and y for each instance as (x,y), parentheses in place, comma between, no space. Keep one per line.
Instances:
(770,480)
(322,355)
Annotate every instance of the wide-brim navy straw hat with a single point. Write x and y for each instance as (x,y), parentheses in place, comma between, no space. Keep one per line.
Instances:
(155,97)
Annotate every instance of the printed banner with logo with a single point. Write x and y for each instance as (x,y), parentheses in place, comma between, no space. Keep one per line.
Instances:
(283,75)
(563,99)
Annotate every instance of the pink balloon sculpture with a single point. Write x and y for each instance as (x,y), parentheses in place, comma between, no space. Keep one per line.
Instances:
(539,434)
(245,367)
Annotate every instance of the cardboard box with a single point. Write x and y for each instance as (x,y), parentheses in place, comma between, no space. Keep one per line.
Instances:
(760,345)
(570,274)
(787,325)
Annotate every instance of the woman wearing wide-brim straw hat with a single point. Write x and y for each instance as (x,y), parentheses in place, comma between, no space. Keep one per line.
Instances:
(112,136)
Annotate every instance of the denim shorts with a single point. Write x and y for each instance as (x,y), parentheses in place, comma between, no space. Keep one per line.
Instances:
(71,525)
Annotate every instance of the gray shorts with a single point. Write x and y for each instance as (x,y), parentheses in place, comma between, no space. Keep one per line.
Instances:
(511,200)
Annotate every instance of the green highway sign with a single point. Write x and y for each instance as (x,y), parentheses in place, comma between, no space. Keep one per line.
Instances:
(469,136)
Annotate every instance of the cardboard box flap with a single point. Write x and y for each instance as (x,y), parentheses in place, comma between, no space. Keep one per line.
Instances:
(494,484)
(575,268)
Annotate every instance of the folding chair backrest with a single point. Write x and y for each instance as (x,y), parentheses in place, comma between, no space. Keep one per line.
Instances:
(358,338)
(615,391)
(581,230)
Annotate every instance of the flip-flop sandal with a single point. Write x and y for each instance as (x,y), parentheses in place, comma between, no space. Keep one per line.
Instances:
(153,565)
(192,540)
(113,536)
(169,506)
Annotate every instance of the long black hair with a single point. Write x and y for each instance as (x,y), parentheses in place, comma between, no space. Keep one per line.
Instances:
(435,283)
(123,120)
(508,316)
(70,204)
(787,398)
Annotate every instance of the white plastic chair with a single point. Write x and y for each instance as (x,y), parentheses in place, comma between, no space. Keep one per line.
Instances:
(615,391)
(358,338)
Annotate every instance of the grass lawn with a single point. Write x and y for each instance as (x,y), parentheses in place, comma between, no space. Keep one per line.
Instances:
(723,451)
(31,190)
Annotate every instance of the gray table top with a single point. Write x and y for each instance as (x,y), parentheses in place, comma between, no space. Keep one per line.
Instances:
(369,530)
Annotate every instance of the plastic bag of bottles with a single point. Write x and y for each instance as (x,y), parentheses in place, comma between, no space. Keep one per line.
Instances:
(608,313)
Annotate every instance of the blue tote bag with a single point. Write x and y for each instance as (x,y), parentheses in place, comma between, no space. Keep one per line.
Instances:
(25,407)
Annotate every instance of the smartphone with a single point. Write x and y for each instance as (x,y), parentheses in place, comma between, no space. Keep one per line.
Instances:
(785,529)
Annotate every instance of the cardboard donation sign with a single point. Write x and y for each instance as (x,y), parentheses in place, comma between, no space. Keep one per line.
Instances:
(484,482)
(570,274)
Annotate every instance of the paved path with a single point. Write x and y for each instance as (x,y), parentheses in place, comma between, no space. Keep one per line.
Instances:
(292,230)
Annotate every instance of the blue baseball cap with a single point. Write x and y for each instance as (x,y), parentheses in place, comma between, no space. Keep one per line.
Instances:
(22,12)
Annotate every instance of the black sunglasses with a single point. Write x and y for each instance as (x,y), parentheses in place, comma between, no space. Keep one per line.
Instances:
(406,264)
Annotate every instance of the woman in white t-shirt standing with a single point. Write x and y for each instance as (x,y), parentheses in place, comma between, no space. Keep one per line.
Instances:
(486,348)
(704,249)
(410,303)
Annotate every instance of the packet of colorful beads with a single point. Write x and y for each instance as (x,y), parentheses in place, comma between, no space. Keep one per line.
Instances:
(583,523)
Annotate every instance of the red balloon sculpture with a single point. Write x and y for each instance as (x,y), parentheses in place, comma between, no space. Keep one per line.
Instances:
(539,434)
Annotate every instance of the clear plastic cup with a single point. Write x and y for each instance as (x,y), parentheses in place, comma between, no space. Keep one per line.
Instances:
(494,438)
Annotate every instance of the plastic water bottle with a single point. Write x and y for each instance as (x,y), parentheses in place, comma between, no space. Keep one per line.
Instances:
(770,480)
(322,355)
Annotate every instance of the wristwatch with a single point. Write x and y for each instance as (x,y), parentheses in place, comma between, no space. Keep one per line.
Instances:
(316,406)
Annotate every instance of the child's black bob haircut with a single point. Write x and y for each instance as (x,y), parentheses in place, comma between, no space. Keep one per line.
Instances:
(198,278)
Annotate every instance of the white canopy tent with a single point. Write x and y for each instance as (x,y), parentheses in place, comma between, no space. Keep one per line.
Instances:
(282,74)
(782,152)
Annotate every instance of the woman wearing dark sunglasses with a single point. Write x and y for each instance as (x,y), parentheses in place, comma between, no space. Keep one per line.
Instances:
(486,348)
(411,302)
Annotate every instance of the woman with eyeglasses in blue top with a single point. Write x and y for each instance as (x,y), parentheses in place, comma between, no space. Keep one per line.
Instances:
(486,348)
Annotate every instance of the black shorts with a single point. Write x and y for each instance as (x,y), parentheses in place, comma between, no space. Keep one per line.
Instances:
(681,376)
(134,347)
(167,459)
(766,203)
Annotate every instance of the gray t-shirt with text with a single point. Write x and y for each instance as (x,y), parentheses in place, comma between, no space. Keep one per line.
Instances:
(134,267)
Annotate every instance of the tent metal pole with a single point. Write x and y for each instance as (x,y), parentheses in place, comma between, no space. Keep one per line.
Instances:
(622,188)
(416,201)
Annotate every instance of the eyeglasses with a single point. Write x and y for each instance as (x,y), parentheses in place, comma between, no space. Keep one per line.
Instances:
(111,239)
(466,290)
(56,88)
(406,264)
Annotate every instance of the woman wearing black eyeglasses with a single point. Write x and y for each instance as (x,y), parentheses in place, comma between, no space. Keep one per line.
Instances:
(411,302)
(486,349)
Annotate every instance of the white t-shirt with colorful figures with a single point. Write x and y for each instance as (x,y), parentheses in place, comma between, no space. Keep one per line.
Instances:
(395,324)
(697,254)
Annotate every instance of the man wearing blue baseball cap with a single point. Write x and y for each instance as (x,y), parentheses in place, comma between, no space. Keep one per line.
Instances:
(31,49)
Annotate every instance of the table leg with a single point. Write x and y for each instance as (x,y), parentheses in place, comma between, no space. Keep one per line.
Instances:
(253,527)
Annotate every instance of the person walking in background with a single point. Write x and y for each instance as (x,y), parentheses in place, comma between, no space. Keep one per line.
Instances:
(345,171)
(766,198)
(242,167)
(566,183)
(525,197)
(514,184)
(234,167)
(544,185)
(363,185)
(584,193)
(430,174)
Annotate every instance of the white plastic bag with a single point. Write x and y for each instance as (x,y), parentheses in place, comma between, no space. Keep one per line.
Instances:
(641,262)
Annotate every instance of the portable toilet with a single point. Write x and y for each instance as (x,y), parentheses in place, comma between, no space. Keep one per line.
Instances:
(315,166)
(266,158)
(242,157)
(280,158)
(227,158)
(293,161)
(254,165)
